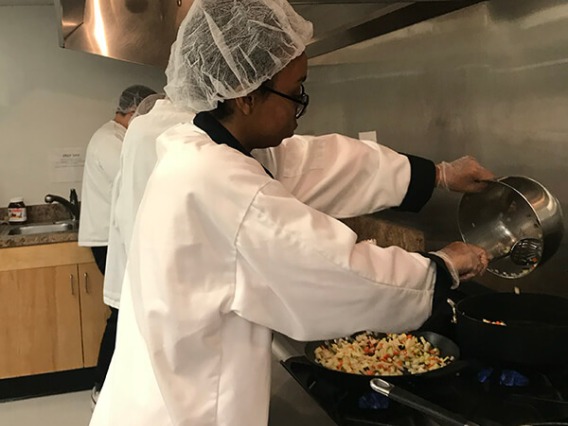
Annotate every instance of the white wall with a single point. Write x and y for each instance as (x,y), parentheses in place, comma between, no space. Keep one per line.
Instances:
(51,98)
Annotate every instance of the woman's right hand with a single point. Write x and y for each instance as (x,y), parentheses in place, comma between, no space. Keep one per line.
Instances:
(464,261)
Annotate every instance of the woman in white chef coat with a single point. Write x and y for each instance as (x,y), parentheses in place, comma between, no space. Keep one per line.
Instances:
(138,157)
(224,251)
(101,166)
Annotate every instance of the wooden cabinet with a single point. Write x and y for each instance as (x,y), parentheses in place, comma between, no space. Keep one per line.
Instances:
(93,311)
(52,314)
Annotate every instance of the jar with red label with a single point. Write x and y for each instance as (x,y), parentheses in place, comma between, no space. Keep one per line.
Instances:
(17,212)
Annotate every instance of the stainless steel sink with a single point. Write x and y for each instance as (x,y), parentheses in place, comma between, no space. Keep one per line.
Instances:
(42,228)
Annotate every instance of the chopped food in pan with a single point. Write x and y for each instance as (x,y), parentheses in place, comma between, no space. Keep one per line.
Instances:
(494,322)
(393,355)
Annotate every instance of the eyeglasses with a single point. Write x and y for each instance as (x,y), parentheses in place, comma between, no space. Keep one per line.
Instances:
(303,101)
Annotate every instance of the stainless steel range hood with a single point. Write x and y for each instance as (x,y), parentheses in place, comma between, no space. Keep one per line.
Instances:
(142,31)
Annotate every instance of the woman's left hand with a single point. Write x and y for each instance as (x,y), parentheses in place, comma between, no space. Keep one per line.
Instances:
(463,175)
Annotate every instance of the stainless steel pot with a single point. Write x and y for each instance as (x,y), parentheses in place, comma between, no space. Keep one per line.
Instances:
(509,209)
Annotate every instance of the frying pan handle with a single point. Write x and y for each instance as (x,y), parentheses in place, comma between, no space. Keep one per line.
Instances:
(409,399)
(454,310)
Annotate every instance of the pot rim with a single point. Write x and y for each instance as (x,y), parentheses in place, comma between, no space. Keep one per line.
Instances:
(502,178)
(551,238)
(460,312)
(512,326)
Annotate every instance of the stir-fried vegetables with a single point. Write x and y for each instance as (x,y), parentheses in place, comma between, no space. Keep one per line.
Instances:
(494,322)
(393,355)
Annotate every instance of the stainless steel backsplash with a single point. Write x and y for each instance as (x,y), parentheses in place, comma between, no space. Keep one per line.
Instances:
(490,81)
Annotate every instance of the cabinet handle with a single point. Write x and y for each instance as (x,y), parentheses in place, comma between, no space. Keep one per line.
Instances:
(72,286)
(86,276)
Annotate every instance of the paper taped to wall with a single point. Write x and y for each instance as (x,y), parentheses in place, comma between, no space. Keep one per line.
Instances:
(368,136)
(66,164)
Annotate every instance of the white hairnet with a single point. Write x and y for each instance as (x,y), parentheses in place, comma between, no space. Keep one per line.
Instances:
(226,49)
(131,97)
(147,104)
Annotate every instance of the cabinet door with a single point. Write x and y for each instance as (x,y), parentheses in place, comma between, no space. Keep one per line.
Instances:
(40,324)
(94,312)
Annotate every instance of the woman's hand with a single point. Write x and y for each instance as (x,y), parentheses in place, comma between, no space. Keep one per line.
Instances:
(464,261)
(462,175)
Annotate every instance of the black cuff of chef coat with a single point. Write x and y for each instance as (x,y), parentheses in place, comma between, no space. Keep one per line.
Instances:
(444,281)
(422,184)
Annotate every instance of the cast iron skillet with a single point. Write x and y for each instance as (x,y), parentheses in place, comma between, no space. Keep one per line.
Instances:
(535,335)
(446,346)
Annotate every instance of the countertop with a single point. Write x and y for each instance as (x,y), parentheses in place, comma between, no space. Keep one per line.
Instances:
(43,213)
(8,241)
(384,232)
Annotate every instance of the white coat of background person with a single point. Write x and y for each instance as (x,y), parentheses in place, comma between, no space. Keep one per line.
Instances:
(138,158)
(102,162)
(101,166)
(222,253)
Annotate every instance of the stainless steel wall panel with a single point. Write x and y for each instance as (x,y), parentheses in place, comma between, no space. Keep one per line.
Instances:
(489,80)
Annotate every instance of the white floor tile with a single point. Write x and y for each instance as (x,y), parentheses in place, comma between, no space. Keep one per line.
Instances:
(70,409)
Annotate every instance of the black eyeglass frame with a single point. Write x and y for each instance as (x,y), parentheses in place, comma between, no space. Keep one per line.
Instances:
(303,101)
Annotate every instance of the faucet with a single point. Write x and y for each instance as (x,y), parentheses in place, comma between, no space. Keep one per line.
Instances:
(72,205)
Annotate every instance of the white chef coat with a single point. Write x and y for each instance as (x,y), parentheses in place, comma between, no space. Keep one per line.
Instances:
(102,161)
(238,255)
(137,160)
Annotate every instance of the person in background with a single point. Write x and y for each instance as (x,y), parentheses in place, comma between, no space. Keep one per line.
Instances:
(101,166)
(224,251)
(138,158)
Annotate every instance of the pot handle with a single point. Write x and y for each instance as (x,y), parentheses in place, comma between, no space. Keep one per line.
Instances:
(414,401)
(453,306)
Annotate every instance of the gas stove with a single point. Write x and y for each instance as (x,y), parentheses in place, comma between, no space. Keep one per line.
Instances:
(486,394)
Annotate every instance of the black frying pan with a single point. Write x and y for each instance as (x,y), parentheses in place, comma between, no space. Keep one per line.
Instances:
(445,345)
(535,335)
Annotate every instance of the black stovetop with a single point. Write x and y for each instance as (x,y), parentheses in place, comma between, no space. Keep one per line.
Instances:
(489,395)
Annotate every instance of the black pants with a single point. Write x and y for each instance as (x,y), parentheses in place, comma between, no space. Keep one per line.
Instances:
(109,336)
(100,255)
(107,349)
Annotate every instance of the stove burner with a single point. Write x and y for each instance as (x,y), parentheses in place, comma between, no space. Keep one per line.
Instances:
(484,374)
(512,378)
(508,378)
(374,401)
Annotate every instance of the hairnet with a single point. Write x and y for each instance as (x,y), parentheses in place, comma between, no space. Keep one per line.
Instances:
(147,104)
(226,49)
(131,97)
